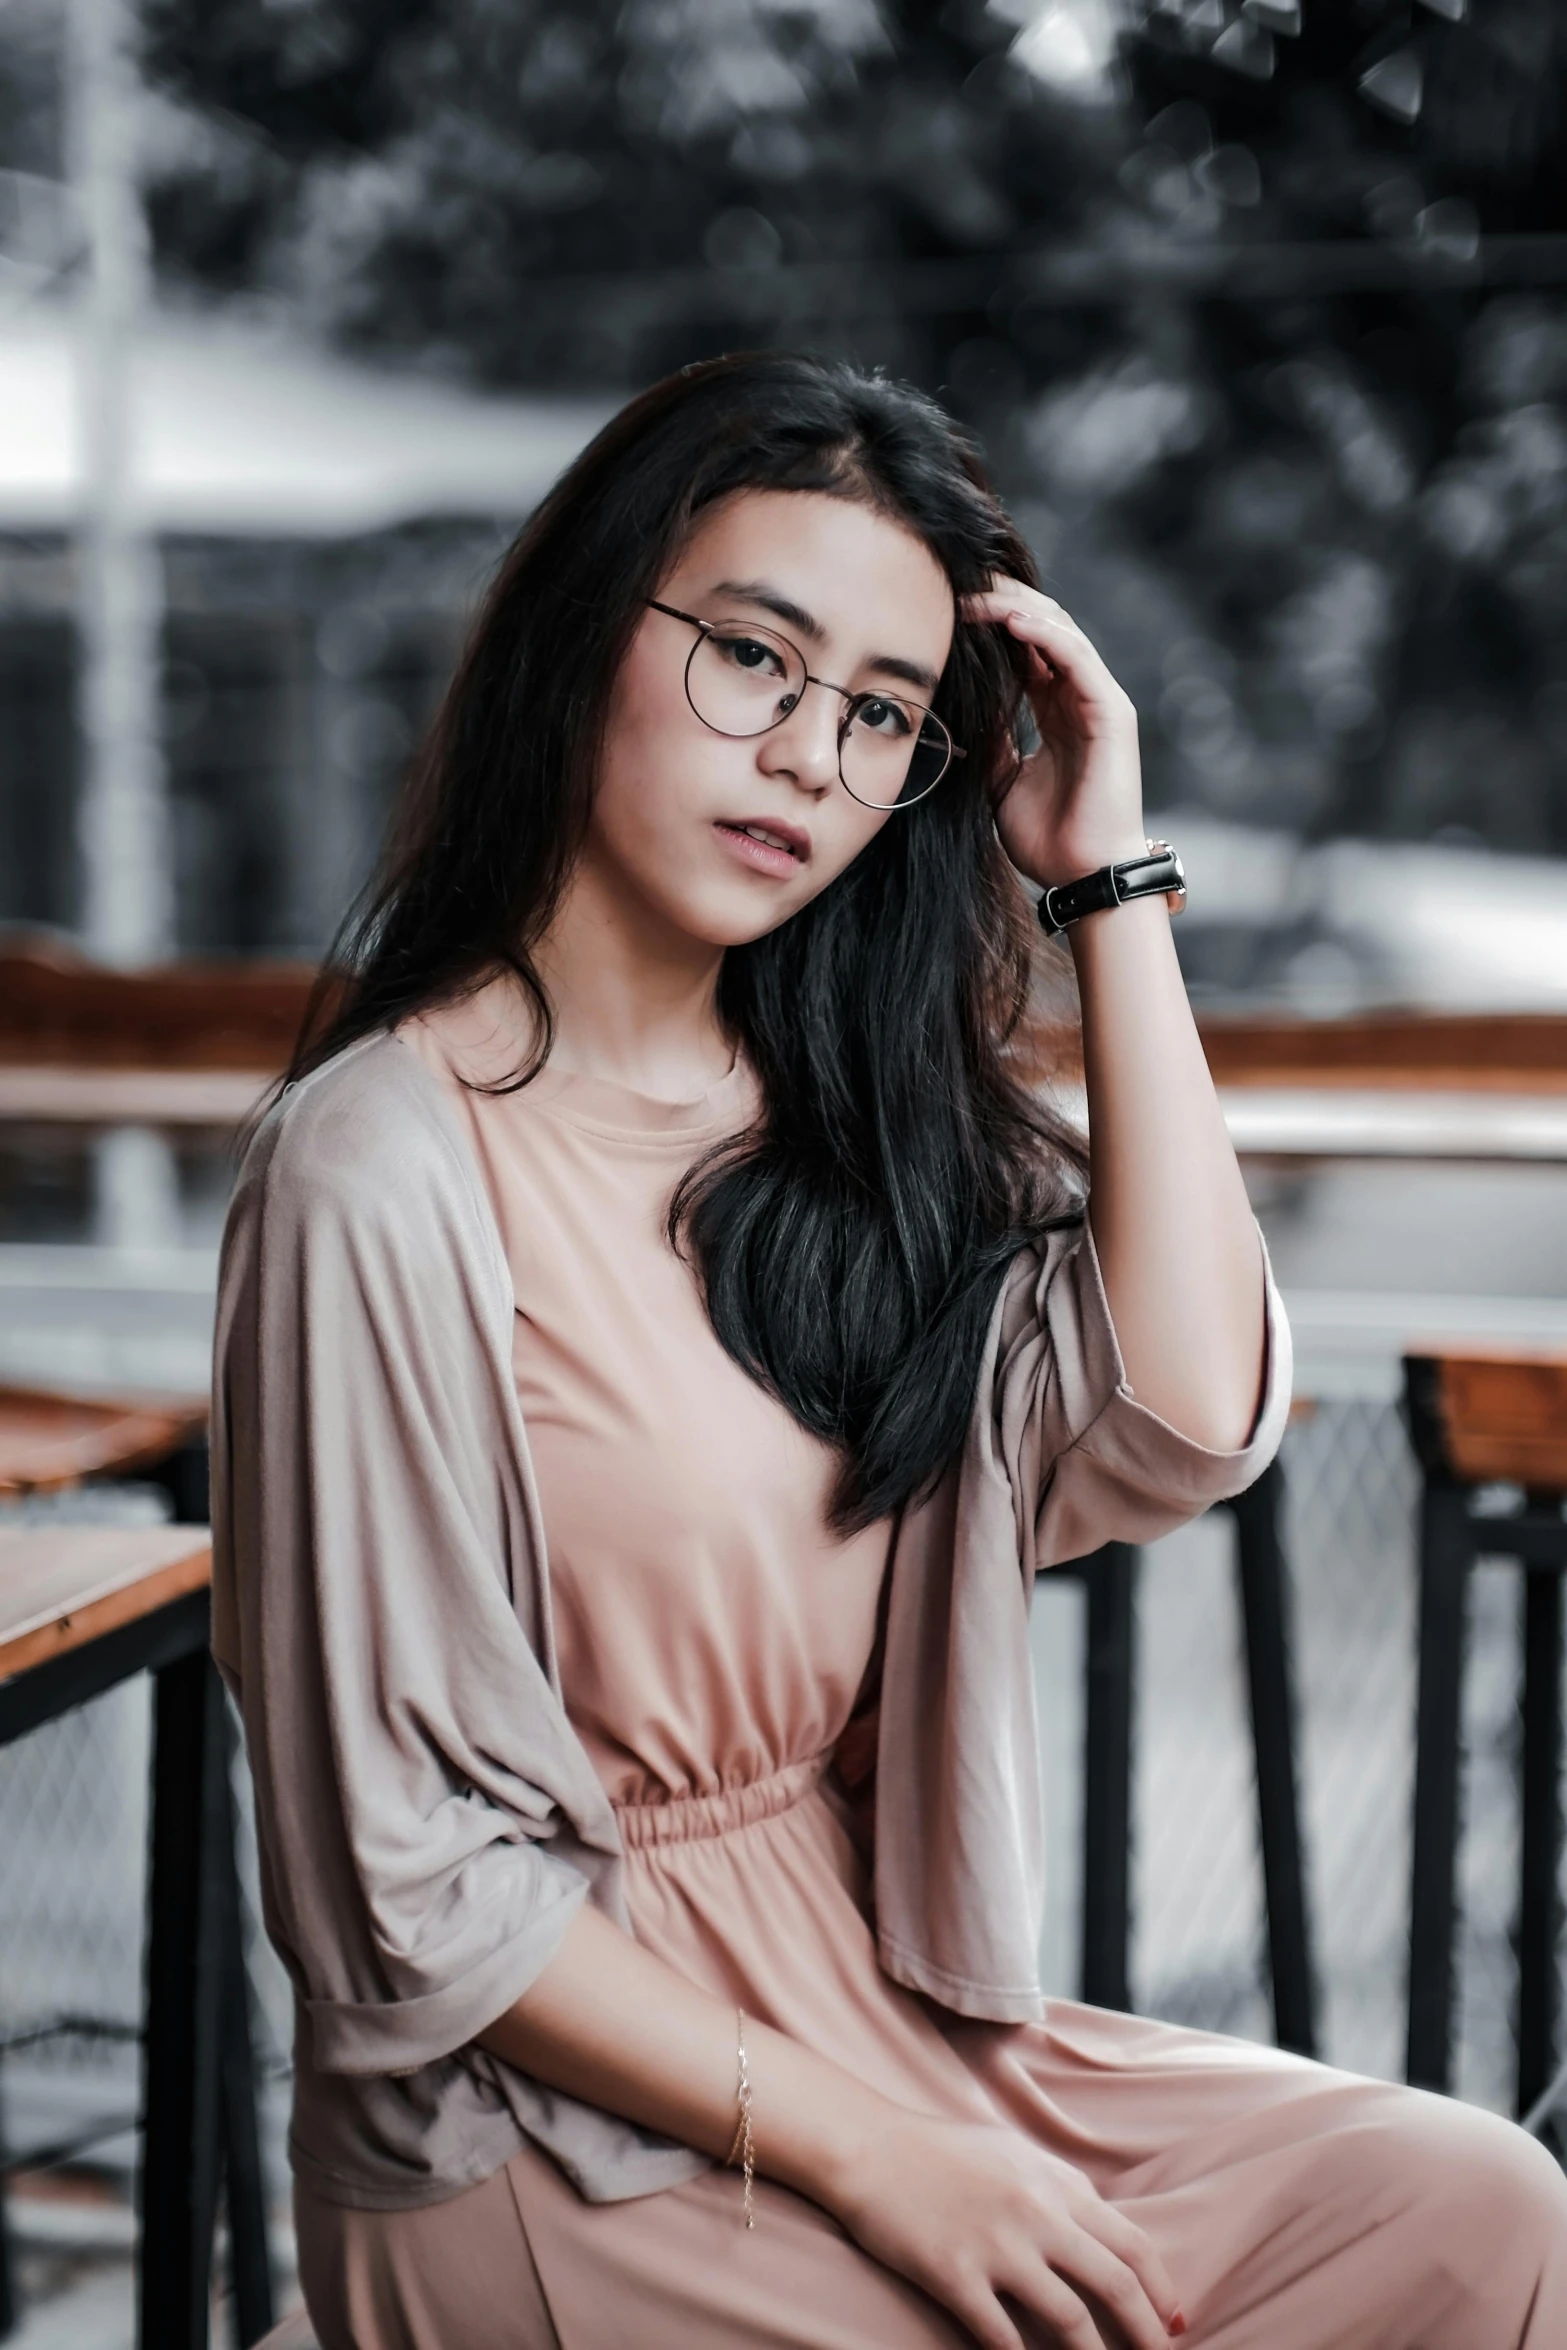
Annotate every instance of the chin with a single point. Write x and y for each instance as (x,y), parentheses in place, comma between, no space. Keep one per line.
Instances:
(726,918)
(734,929)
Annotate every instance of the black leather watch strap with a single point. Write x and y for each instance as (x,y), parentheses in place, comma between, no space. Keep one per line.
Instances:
(1159,873)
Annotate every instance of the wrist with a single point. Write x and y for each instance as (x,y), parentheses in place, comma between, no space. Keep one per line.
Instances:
(1092,938)
(850,2151)
(1078,858)
(1156,872)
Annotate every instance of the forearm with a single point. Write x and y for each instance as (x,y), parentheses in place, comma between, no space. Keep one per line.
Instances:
(1172,1224)
(609,2022)
(1174,1231)
(965,2210)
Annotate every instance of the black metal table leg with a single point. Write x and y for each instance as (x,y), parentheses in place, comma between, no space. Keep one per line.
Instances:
(245,2186)
(180,2153)
(1111,1576)
(1265,1612)
(1539,1914)
(10,2309)
(1446,1553)
(185,1477)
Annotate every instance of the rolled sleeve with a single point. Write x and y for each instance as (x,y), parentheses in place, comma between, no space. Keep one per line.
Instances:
(1098,1465)
(399,2035)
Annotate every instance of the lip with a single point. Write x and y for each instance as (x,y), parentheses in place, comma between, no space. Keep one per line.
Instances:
(761,856)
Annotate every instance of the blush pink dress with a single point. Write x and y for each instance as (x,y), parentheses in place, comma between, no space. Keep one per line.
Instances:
(713,1635)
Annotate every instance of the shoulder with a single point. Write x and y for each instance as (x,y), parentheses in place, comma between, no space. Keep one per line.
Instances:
(369,1136)
(359,1239)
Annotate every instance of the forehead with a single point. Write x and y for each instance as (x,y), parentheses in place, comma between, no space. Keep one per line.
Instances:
(862,575)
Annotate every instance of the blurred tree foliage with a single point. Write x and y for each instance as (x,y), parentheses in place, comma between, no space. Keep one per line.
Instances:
(1317,512)
(497,179)
(38,230)
(30,89)
(1375,527)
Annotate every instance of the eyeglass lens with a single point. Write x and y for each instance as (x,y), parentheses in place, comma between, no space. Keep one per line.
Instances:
(743,680)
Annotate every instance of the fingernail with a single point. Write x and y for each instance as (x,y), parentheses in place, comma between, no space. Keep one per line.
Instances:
(1177,2326)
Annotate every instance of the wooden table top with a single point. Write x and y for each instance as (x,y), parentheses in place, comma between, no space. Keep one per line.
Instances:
(48,1441)
(1491,1415)
(64,1586)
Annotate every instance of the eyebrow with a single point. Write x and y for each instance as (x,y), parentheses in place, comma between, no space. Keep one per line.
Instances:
(768,599)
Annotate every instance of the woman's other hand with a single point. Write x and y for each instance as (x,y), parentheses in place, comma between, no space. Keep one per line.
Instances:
(1171,1220)
(1077,801)
(980,2216)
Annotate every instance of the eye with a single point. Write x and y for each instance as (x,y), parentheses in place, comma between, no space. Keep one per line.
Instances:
(750,654)
(881,716)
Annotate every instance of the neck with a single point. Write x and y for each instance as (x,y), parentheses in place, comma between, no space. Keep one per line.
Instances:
(635,999)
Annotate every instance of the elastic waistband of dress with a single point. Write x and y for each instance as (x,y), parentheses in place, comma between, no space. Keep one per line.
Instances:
(679,1819)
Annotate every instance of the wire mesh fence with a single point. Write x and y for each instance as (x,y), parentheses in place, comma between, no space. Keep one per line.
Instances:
(73,1811)
(1199,1952)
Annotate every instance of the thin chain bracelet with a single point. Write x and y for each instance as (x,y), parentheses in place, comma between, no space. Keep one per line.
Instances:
(741,2143)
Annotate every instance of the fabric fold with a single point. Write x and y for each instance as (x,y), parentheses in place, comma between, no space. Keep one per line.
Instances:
(1060,1458)
(366,2036)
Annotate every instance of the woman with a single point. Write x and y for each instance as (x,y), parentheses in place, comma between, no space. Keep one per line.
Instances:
(659,1341)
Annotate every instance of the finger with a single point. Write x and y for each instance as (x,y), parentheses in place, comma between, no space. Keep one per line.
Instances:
(1001,583)
(1052,629)
(1056,642)
(1115,2284)
(1052,2298)
(1001,603)
(1127,2241)
(1032,617)
(1025,615)
(975,2306)
(1067,651)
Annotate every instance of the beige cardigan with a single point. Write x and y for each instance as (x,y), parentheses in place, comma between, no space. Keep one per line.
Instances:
(428,1820)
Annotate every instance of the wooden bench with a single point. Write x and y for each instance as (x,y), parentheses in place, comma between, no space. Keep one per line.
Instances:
(197,1045)
(1477,1419)
(188,1044)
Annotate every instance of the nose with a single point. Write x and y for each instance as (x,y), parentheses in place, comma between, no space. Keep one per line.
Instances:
(803,748)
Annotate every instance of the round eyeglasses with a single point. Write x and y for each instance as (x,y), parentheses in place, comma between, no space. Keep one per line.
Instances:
(743,680)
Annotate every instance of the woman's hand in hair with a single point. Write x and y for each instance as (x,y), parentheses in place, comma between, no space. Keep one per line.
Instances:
(1173,1226)
(997,2230)
(1077,801)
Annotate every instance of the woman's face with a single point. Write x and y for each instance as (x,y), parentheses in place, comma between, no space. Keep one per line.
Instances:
(724,837)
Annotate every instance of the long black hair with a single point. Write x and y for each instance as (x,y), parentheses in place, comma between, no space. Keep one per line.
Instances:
(851,1246)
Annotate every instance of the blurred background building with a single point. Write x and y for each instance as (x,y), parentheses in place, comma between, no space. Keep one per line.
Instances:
(1259,311)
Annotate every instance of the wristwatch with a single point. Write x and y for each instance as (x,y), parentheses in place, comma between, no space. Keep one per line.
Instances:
(1159,873)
